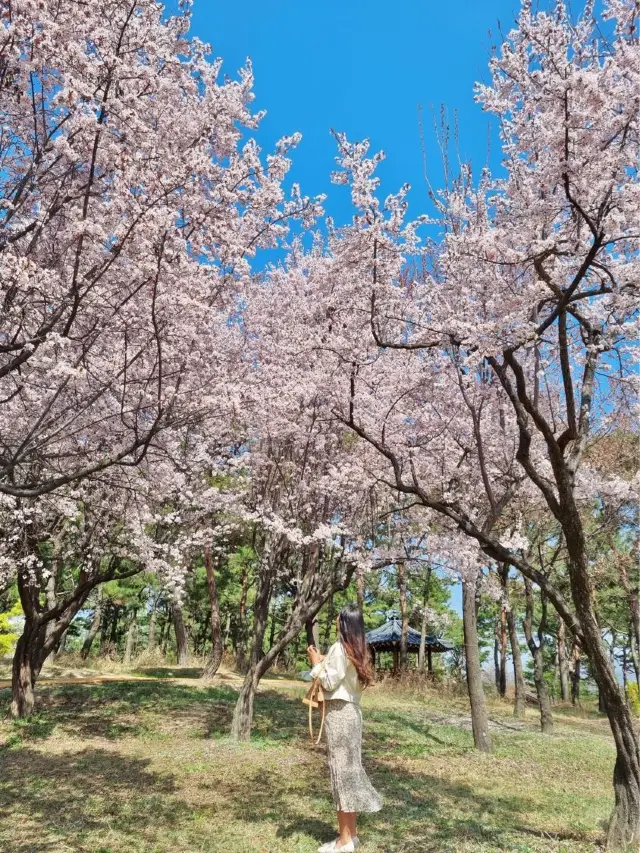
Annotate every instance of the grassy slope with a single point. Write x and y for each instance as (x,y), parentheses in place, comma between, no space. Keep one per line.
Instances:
(147,766)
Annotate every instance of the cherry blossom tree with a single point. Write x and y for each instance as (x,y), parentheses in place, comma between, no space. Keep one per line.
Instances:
(131,200)
(59,549)
(304,506)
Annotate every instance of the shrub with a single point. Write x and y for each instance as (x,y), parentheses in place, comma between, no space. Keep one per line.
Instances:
(634,698)
(8,634)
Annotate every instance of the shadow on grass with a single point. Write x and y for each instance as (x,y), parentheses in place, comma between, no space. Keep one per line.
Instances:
(79,793)
(46,798)
(453,739)
(421,813)
(168,671)
(116,709)
(275,718)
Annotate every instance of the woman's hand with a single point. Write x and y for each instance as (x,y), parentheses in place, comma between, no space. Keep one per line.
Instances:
(314,655)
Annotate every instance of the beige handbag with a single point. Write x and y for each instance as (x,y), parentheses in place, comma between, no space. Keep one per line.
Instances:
(314,698)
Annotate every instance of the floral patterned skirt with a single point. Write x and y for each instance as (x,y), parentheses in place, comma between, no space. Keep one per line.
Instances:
(352,791)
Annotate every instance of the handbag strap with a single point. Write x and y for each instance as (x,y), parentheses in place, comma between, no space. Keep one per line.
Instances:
(316,689)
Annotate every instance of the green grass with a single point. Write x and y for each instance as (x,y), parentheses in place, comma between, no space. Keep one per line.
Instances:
(148,766)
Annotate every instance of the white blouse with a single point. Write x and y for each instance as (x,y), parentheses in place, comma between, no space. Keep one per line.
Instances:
(338,675)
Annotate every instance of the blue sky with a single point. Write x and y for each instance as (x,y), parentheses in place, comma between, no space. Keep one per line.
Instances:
(362,68)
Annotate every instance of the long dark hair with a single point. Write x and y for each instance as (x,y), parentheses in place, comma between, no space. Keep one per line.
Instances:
(355,644)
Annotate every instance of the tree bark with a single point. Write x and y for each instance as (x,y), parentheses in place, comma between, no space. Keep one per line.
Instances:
(243,711)
(227,629)
(404,623)
(181,634)
(563,666)
(50,597)
(520,704)
(131,636)
(272,630)
(537,653)
(241,644)
(424,625)
(313,632)
(575,673)
(360,589)
(113,638)
(635,656)
(163,639)
(479,716)
(496,658)
(62,645)
(216,633)
(624,826)
(23,679)
(94,627)
(330,621)
(153,621)
(502,636)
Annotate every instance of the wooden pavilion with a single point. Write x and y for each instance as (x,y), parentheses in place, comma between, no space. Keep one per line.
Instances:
(386,638)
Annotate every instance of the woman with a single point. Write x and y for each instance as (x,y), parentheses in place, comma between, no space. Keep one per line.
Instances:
(344,673)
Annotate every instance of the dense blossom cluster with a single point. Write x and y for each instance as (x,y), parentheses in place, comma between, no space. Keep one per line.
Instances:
(122,241)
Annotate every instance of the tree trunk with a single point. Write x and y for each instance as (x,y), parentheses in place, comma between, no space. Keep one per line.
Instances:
(151,640)
(575,673)
(635,656)
(227,629)
(62,645)
(424,625)
(95,626)
(50,597)
(181,634)
(313,632)
(131,636)
(272,630)
(42,631)
(113,638)
(563,666)
(546,715)
(537,653)
(241,645)
(330,621)
(624,826)
(404,624)
(479,716)
(243,711)
(496,659)
(106,621)
(22,682)
(502,636)
(216,650)
(360,589)
(163,640)
(520,704)
(423,640)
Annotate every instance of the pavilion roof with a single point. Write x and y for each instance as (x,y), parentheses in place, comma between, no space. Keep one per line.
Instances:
(387,637)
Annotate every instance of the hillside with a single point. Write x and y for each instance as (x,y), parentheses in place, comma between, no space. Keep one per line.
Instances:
(146,765)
